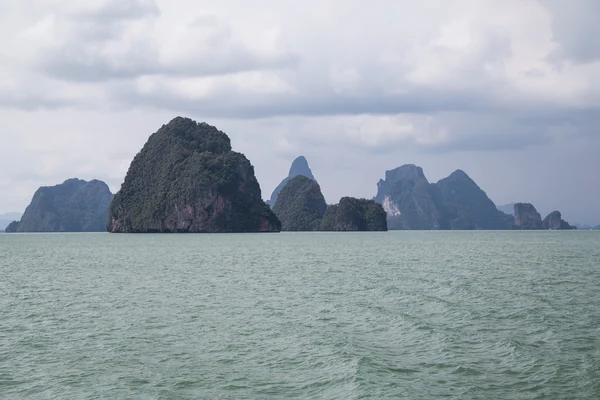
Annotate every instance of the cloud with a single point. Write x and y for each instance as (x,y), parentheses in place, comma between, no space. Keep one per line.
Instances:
(114,40)
(575,25)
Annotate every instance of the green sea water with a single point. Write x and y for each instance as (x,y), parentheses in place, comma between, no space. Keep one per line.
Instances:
(398,315)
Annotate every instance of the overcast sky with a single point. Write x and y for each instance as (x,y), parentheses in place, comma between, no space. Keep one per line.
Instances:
(508,91)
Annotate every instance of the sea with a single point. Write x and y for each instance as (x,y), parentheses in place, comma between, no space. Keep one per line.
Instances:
(387,315)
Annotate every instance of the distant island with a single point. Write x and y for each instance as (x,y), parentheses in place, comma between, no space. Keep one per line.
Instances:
(456,202)
(73,206)
(7,218)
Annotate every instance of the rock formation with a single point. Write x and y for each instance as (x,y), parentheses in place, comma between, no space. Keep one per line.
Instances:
(465,206)
(527,217)
(554,221)
(455,202)
(186,178)
(354,215)
(408,200)
(73,206)
(12,227)
(300,205)
(6,219)
(299,167)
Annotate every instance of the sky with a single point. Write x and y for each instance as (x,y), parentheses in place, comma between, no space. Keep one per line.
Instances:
(508,91)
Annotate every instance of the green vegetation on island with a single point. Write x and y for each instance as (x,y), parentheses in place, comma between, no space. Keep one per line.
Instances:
(352,214)
(300,205)
(186,178)
(299,167)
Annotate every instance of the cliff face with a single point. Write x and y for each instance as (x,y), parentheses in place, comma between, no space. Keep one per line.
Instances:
(455,202)
(554,221)
(527,217)
(465,206)
(408,200)
(300,205)
(299,167)
(73,206)
(186,178)
(354,215)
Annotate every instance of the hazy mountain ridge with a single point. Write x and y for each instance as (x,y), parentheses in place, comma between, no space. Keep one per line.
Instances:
(454,202)
(73,206)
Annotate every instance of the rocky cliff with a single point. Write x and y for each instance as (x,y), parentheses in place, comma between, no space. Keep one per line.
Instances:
(408,199)
(455,202)
(526,217)
(300,205)
(554,221)
(73,206)
(354,215)
(186,178)
(299,167)
(12,227)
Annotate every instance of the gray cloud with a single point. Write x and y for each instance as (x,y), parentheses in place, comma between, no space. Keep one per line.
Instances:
(575,27)
(124,40)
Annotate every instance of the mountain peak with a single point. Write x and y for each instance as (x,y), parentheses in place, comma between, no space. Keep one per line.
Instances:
(300,167)
(459,173)
(407,171)
(192,136)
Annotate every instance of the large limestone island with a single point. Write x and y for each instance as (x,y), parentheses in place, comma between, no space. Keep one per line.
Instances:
(455,202)
(186,178)
(299,167)
(301,207)
(73,206)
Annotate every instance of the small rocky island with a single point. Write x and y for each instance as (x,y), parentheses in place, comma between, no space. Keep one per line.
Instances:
(353,214)
(301,207)
(186,178)
(554,221)
(73,206)
(528,218)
